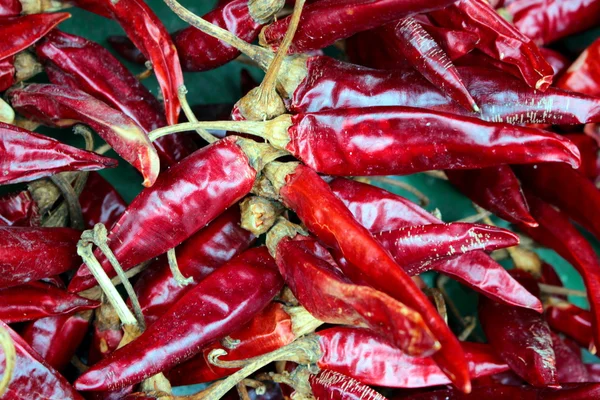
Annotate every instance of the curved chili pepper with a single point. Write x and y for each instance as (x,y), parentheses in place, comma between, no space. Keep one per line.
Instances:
(379,210)
(557,232)
(29,254)
(333,385)
(521,338)
(56,339)
(223,301)
(576,391)
(215,178)
(18,209)
(197,257)
(498,39)
(589,150)
(547,21)
(569,366)
(100,202)
(82,64)
(62,106)
(302,190)
(314,278)
(496,189)
(559,62)
(26,156)
(582,75)
(325,21)
(123,47)
(106,335)
(38,300)
(380,141)
(32,375)
(572,321)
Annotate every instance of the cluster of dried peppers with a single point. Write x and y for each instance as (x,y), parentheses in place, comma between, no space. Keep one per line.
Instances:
(259,261)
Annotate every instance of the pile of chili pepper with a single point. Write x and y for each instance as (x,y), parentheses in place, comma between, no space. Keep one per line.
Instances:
(263,256)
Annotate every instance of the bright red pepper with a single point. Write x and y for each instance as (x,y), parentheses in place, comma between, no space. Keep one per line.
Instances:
(215,178)
(32,376)
(582,75)
(197,257)
(572,321)
(7,73)
(26,156)
(576,391)
(569,366)
(335,386)
(223,301)
(123,47)
(18,209)
(10,8)
(38,300)
(100,202)
(557,60)
(106,335)
(589,150)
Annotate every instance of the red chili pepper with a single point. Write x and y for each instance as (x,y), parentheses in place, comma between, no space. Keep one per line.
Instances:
(559,62)
(549,20)
(521,338)
(582,75)
(569,366)
(56,339)
(100,202)
(18,209)
(223,301)
(326,21)
(123,47)
(106,335)
(10,8)
(335,386)
(32,375)
(62,106)
(37,300)
(557,232)
(197,257)
(496,189)
(7,72)
(379,210)
(26,156)
(303,191)
(381,141)
(593,372)
(314,278)
(589,150)
(29,254)
(572,321)
(82,64)
(498,39)
(215,177)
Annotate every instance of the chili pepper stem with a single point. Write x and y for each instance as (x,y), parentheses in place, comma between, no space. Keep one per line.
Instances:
(7,114)
(187,110)
(262,11)
(558,290)
(8,347)
(440,303)
(43,6)
(26,66)
(71,200)
(303,323)
(242,391)
(177,275)
(282,229)
(259,214)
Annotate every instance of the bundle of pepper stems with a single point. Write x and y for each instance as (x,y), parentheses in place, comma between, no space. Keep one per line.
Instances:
(265,262)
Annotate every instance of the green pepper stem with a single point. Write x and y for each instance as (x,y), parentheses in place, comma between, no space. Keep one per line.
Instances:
(255,128)
(185,106)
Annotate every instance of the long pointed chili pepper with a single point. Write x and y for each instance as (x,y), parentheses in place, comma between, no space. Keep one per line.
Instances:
(29,254)
(575,391)
(574,322)
(226,299)
(326,21)
(582,75)
(18,209)
(197,257)
(557,60)
(22,150)
(62,106)
(302,190)
(38,300)
(379,210)
(521,338)
(569,367)
(100,202)
(313,276)
(498,39)
(82,64)
(589,150)
(333,385)
(496,189)
(557,232)
(32,376)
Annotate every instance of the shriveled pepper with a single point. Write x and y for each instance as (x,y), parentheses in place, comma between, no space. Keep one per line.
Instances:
(333,385)
(18,209)
(100,202)
(572,321)
(589,150)
(569,366)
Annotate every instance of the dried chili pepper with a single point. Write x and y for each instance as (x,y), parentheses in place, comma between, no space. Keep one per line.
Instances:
(559,62)
(38,300)
(576,391)
(197,257)
(18,209)
(569,366)
(107,333)
(100,202)
(32,375)
(123,47)
(10,8)
(333,385)
(26,156)
(582,75)
(219,304)
(326,21)
(589,150)
(572,321)
(496,189)
(33,253)
(62,106)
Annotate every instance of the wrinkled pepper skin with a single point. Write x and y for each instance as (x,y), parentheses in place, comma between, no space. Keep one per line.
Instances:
(332,84)
(7,73)
(582,75)
(326,21)
(335,386)
(100,202)
(190,194)
(216,307)
(315,203)
(18,209)
(38,300)
(498,39)
(32,375)
(197,257)
(268,331)
(496,189)
(545,21)
(373,360)
(379,210)
(521,338)
(62,106)
(26,156)
(106,334)
(76,62)
(403,140)
(572,321)
(569,366)
(29,254)
(589,150)
(314,278)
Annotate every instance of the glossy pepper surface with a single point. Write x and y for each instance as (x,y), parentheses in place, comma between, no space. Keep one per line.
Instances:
(18,209)
(100,202)
(582,75)
(333,385)
(572,321)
